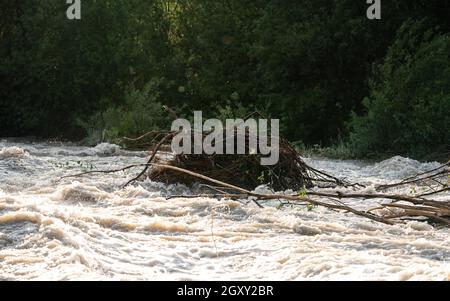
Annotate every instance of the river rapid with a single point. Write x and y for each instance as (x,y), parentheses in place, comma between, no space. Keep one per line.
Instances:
(88,228)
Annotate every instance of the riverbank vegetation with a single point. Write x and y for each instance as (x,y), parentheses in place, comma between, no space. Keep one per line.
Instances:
(339,83)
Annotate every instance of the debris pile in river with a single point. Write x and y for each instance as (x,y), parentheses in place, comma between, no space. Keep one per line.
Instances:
(235,177)
(244,168)
(432,204)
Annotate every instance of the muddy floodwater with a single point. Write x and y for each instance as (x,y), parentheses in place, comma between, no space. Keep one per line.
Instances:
(88,228)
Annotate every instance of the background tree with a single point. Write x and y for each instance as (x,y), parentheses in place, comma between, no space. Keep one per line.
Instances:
(308,62)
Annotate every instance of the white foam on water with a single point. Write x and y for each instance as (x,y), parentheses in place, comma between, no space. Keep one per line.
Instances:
(89,228)
(12,152)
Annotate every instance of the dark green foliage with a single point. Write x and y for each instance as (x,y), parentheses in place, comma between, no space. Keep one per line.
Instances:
(141,111)
(55,71)
(409,106)
(307,62)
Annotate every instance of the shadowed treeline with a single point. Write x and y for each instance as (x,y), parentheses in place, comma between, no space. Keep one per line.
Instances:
(321,66)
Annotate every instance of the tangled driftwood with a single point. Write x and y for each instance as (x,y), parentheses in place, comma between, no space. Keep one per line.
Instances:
(234,177)
(435,211)
(244,170)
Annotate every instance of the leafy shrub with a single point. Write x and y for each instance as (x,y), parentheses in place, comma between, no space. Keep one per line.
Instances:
(408,111)
(140,113)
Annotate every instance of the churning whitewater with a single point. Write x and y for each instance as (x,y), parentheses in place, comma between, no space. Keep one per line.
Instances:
(88,228)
